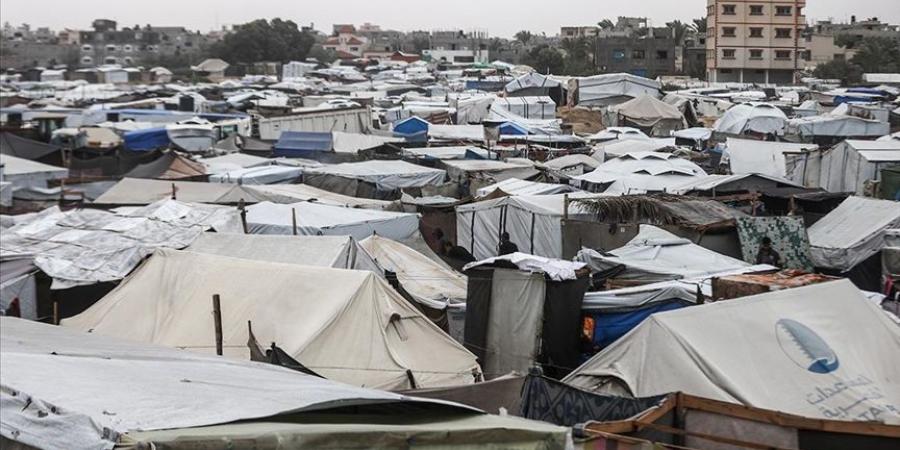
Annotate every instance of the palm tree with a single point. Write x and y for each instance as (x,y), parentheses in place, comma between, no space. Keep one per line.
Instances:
(700,25)
(606,24)
(523,36)
(679,29)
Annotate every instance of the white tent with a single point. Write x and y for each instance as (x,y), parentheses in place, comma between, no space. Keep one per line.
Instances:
(536,107)
(768,158)
(840,126)
(610,89)
(385,175)
(530,82)
(617,148)
(258,175)
(638,173)
(461,169)
(515,186)
(434,285)
(821,351)
(293,193)
(346,325)
(26,175)
(657,255)
(852,232)
(849,165)
(140,191)
(648,112)
(574,164)
(233,161)
(339,252)
(760,118)
(316,219)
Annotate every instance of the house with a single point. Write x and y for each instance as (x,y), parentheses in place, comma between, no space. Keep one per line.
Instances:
(213,69)
(346,43)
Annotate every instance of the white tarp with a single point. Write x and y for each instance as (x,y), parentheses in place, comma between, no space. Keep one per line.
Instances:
(346,325)
(530,81)
(233,161)
(444,153)
(760,118)
(513,339)
(515,186)
(852,232)
(65,389)
(820,351)
(555,269)
(385,175)
(635,297)
(532,107)
(354,142)
(768,158)
(86,246)
(293,193)
(474,133)
(646,111)
(612,88)
(843,126)
(140,191)
(657,255)
(461,169)
(26,175)
(847,166)
(429,283)
(317,219)
(258,175)
(638,173)
(339,252)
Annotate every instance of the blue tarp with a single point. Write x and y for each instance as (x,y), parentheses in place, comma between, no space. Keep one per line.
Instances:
(473,155)
(411,126)
(838,99)
(865,90)
(513,129)
(611,326)
(146,139)
(302,144)
(487,86)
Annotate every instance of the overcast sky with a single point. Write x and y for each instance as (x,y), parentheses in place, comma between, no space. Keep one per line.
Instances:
(498,17)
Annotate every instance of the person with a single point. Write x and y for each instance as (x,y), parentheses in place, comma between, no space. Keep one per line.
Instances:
(506,246)
(767,254)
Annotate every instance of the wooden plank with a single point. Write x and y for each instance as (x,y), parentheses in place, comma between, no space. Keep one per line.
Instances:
(709,437)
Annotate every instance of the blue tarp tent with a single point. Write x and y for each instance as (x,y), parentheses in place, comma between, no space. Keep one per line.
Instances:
(610,326)
(146,139)
(302,144)
(411,126)
(512,129)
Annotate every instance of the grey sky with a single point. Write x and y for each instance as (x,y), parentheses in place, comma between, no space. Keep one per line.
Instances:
(498,17)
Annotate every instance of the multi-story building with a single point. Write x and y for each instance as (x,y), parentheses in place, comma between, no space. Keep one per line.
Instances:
(106,44)
(579,32)
(754,41)
(345,42)
(827,41)
(649,55)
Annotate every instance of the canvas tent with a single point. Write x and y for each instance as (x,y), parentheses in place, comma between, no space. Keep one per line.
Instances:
(273,174)
(515,186)
(321,317)
(611,89)
(848,166)
(293,193)
(648,113)
(67,389)
(539,107)
(30,178)
(852,233)
(638,173)
(821,351)
(169,166)
(382,175)
(13,145)
(530,84)
(810,128)
(309,218)
(746,156)
(760,118)
(137,191)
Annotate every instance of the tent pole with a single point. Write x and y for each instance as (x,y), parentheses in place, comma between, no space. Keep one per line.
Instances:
(294,219)
(243,212)
(217,317)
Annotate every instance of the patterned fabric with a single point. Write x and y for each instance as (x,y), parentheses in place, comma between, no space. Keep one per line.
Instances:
(558,403)
(788,235)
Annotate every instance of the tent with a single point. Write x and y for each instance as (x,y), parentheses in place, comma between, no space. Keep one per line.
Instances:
(747,156)
(515,186)
(137,191)
(317,219)
(618,148)
(293,193)
(537,107)
(821,351)
(383,175)
(530,84)
(852,233)
(836,126)
(638,173)
(848,166)
(346,325)
(743,118)
(169,166)
(611,89)
(25,148)
(462,170)
(102,392)
(231,161)
(302,144)
(569,165)
(657,255)
(648,113)
(146,139)
(339,252)
(273,174)
(30,178)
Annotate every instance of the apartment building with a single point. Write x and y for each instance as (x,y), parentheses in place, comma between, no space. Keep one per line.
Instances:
(754,41)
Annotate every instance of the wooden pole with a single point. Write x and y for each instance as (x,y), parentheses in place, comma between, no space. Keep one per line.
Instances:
(243,211)
(565,206)
(217,317)
(294,219)
(173,192)
(55,313)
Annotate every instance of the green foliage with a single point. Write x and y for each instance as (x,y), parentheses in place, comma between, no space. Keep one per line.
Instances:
(838,69)
(262,40)
(606,24)
(322,54)
(546,59)
(700,25)
(679,30)
(523,36)
(877,55)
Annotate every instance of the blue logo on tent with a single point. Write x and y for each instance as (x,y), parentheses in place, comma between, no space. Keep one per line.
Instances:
(806,348)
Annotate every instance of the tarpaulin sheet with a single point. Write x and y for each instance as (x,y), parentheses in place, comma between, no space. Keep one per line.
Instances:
(147,139)
(756,117)
(385,175)
(610,326)
(318,219)
(852,232)
(788,235)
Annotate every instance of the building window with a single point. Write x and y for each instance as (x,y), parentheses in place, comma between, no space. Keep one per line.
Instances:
(618,55)
(127,48)
(782,54)
(783,33)
(662,54)
(724,70)
(728,53)
(110,48)
(728,10)
(87,60)
(755,53)
(728,32)
(805,55)
(86,48)
(756,10)
(637,54)
(756,32)
(782,10)
(128,61)
(110,60)
(354,49)
(838,57)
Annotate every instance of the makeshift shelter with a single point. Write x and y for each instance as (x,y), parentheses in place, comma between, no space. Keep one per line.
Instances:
(293,193)
(87,246)
(308,218)
(321,317)
(103,392)
(273,174)
(849,239)
(610,89)
(713,185)
(20,147)
(745,156)
(830,127)
(18,288)
(850,165)
(797,337)
(619,148)
(467,170)
(169,166)
(535,84)
(749,118)
(31,179)
(515,186)
(146,139)
(232,161)
(519,318)
(645,112)
(136,191)
(541,107)
(570,165)
(638,173)
(374,178)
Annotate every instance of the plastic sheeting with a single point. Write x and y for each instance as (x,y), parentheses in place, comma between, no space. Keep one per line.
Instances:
(86,246)
(555,269)
(760,118)
(820,351)
(647,111)
(841,126)
(258,175)
(316,219)
(760,157)
(849,165)
(638,173)
(27,175)
(346,325)
(385,175)
(515,316)
(852,232)
(67,389)
(612,88)
(293,193)
(529,81)
(136,191)
(515,186)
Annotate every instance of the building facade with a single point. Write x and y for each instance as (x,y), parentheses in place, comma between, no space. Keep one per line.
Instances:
(647,56)
(754,41)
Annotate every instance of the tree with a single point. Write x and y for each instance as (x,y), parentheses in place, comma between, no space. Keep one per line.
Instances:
(579,59)
(523,36)
(700,25)
(546,59)
(322,54)
(877,54)
(421,43)
(262,40)
(839,69)
(606,24)
(679,30)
